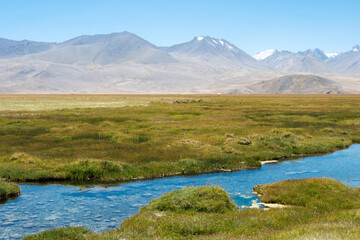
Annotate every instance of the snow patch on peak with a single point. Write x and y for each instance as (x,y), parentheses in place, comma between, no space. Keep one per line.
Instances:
(229,46)
(264,54)
(215,42)
(331,55)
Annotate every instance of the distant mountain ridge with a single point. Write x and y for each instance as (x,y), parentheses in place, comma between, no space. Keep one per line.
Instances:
(297,62)
(11,48)
(316,53)
(348,62)
(304,61)
(126,63)
(105,49)
(121,47)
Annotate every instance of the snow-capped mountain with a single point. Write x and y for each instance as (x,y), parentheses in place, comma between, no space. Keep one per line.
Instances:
(264,54)
(213,51)
(204,45)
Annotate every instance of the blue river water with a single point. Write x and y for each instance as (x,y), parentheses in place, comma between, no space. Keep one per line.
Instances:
(101,208)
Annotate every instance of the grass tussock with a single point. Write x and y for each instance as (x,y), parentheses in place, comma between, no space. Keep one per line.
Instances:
(70,233)
(8,190)
(89,170)
(316,211)
(197,199)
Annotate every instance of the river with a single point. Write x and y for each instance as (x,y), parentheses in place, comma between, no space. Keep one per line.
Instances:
(43,207)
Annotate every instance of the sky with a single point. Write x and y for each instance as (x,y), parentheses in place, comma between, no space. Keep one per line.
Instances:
(252,25)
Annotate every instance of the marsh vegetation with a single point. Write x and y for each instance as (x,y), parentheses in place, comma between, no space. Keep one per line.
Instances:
(154,136)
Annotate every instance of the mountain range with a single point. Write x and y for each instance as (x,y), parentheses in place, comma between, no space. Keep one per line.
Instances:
(125,63)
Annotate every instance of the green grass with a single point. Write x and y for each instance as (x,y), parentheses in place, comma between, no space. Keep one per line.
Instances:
(51,102)
(8,190)
(197,199)
(73,233)
(322,194)
(153,136)
(318,209)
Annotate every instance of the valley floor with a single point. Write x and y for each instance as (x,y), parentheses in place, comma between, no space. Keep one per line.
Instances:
(123,137)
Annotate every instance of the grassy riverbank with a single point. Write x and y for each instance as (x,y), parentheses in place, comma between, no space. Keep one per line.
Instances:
(315,209)
(116,138)
(8,190)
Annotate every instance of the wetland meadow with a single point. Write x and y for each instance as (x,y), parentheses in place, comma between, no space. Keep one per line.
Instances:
(113,139)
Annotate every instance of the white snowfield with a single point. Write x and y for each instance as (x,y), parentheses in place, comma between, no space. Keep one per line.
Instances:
(331,55)
(264,54)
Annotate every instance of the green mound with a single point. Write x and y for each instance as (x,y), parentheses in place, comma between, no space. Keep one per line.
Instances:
(8,190)
(78,233)
(198,199)
(322,193)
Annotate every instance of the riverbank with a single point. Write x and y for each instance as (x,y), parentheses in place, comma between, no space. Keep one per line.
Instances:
(317,208)
(8,190)
(167,135)
(87,168)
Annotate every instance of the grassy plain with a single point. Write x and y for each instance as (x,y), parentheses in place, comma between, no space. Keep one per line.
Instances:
(316,209)
(123,137)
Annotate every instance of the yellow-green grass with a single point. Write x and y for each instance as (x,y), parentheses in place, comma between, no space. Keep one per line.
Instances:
(50,102)
(73,233)
(152,136)
(315,212)
(8,190)
(319,193)
(195,199)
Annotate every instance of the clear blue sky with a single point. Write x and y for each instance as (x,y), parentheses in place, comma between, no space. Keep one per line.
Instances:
(252,25)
